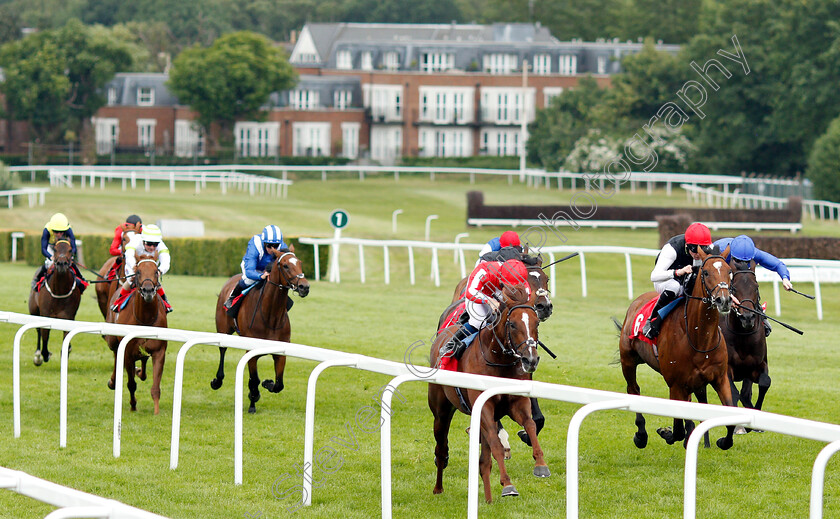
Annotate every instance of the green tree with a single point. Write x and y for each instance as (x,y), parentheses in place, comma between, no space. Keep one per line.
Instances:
(824,164)
(672,21)
(401,11)
(230,80)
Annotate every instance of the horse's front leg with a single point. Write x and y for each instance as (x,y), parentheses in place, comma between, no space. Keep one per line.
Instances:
(253,385)
(520,412)
(763,385)
(216,383)
(158,360)
(721,386)
(628,368)
(494,446)
(276,385)
(677,433)
(702,398)
(45,341)
(132,384)
(38,359)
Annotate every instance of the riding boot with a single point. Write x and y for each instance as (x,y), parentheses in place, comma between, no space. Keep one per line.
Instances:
(229,309)
(83,282)
(767,328)
(456,343)
(123,294)
(654,323)
(42,270)
(166,304)
(289,303)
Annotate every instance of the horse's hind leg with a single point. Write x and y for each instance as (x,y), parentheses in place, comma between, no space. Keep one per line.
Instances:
(38,359)
(141,372)
(276,385)
(132,384)
(763,385)
(443,411)
(492,445)
(253,385)
(216,383)
(640,439)
(158,360)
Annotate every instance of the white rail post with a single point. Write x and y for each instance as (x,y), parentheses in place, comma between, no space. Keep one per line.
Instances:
(691,447)
(817,293)
(629,276)
(177,397)
(582,274)
(429,224)
(552,274)
(385,439)
(309,423)
(386,258)
(411,264)
(16,369)
(435,267)
(458,249)
(573,451)
(361,263)
(118,389)
(777,298)
(317,262)
(818,478)
(394,220)
(65,361)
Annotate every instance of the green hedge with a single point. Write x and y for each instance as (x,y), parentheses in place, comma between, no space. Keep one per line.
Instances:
(190,256)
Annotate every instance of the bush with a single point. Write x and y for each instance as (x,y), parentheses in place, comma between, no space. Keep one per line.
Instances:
(824,164)
(8,180)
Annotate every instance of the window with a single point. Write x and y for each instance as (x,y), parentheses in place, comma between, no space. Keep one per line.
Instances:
(256,139)
(436,61)
(446,105)
(550,93)
(344,60)
(542,64)
(342,99)
(189,139)
(304,99)
(602,64)
(568,65)
(500,142)
(112,96)
(385,143)
(311,139)
(107,134)
(499,63)
(145,96)
(384,102)
(504,105)
(146,133)
(391,60)
(447,142)
(367,60)
(350,140)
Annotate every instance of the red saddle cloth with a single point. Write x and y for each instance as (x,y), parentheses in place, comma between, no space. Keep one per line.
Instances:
(639,321)
(112,273)
(448,362)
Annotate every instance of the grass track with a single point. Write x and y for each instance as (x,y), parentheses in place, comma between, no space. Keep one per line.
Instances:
(763,475)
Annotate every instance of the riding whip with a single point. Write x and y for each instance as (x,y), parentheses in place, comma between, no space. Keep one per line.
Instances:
(570,256)
(801,294)
(762,314)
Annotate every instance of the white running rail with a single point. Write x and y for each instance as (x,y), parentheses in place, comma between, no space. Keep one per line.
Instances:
(407,371)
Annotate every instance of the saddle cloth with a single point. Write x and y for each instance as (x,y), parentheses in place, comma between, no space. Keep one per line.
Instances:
(448,361)
(639,321)
(122,301)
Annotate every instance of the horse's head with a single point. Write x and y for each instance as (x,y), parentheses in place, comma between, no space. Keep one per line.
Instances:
(146,274)
(745,288)
(288,271)
(519,337)
(63,256)
(540,295)
(715,275)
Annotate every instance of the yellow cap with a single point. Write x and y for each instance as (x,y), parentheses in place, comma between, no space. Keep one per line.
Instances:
(58,222)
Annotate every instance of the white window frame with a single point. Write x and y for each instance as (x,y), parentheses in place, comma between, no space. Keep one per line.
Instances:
(550,93)
(567,65)
(304,99)
(445,142)
(145,96)
(146,132)
(447,105)
(391,60)
(112,96)
(107,131)
(436,61)
(385,143)
(602,65)
(254,139)
(542,64)
(500,63)
(189,139)
(384,101)
(367,60)
(350,140)
(502,105)
(344,60)
(342,99)
(311,139)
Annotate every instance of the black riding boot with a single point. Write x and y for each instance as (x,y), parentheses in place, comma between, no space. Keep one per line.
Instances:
(767,328)
(38,275)
(654,323)
(456,343)
(229,303)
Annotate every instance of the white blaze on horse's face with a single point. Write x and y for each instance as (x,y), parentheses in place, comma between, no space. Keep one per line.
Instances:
(293,261)
(535,274)
(717,265)
(525,320)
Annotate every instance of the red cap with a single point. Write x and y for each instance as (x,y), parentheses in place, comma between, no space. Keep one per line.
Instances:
(509,239)
(698,234)
(513,272)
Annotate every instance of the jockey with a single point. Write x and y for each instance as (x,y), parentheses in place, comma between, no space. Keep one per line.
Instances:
(742,249)
(257,257)
(133,224)
(503,248)
(483,293)
(150,240)
(673,264)
(58,228)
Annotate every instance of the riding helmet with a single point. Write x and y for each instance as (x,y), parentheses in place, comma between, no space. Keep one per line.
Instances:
(698,234)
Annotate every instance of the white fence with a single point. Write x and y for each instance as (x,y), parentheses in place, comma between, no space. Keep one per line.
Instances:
(72,503)
(632,224)
(592,400)
(823,209)
(35,195)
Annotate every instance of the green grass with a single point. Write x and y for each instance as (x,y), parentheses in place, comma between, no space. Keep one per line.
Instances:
(763,475)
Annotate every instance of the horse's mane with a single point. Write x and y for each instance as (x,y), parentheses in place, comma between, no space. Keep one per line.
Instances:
(515,294)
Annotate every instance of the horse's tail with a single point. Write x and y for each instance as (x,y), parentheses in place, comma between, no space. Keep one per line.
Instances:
(616,323)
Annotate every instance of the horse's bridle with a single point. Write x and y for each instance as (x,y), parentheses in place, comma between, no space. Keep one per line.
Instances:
(709,294)
(735,308)
(507,346)
(289,285)
(138,281)
(69,265)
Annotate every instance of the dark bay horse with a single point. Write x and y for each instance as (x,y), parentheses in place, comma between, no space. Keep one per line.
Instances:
(144,308)
(745,340)
(263,314)
(692,350)
(506,349)
(59,297)
(105,291)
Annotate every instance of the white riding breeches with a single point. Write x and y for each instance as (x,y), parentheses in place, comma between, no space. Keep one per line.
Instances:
(479,313)
(48,262)
(671,284)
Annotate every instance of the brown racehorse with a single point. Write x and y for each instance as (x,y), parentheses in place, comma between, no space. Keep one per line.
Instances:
(507,349)
(144,308)
(59,297)
(692,350)
(745,340)
(263,314)
(105,291)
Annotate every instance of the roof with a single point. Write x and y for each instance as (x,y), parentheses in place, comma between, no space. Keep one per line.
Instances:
(128,83)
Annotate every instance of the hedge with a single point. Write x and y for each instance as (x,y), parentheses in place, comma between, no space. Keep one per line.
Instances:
(190,256)
(477,209)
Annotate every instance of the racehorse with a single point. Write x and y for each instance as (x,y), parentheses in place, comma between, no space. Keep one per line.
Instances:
(143,308)
(691,350)
(105,291)
(263,314)
(507,348)
(59,297)
(745,339)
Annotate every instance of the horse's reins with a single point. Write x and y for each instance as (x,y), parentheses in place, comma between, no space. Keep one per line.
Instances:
(70,266)
(279,285)
(512,350)
(754,303)
(709,294)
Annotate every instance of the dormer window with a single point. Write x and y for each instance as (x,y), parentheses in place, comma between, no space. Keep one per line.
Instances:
(112,96)
(344,60)
(145,96)
(367,60)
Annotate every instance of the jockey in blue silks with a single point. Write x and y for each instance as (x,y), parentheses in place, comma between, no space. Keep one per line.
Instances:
(742,249)
(257,257)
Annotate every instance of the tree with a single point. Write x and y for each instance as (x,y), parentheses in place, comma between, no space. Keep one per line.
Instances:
(401,11)
(824,164)
(672,21)
(230,80)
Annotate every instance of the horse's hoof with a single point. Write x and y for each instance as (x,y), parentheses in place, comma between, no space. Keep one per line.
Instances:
(541,471)
(524,437)
(437,490)
(271,386)
(38,359)
(111,385)
(640,440)
(252,409)
(740,429)
(724,443)
(47,356)
(140,373)
(216,383)
(667,434)
(509,490)
(507,454)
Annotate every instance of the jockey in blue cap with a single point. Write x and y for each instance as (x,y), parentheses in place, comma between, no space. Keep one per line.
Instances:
(742,248)
(257,257)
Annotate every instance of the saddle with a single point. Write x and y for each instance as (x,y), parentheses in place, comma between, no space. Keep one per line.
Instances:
(122,301)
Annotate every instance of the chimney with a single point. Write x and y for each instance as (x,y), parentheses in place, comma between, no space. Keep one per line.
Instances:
(293,37)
